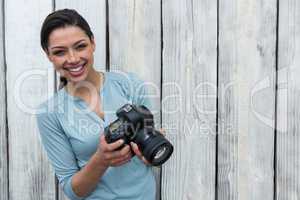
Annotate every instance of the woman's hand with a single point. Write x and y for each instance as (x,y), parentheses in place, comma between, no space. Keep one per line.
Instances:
(137,151)
(110,156)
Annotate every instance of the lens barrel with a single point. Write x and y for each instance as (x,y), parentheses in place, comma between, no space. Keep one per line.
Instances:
(154,146)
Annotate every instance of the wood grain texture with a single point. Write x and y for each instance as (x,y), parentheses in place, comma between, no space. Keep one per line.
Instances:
(29,82)
(135,46)
(288,104)
(245,89)
(247,63)
(189,98)
(3,128)
(135,42)
(94,11)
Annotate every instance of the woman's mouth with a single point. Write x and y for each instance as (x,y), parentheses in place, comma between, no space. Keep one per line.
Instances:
(77,70)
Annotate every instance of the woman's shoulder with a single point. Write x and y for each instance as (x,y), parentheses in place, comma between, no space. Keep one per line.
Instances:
(53,104)
(122,76)
(127,80)
(131,86)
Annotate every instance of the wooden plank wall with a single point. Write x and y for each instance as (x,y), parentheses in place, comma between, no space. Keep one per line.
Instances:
(223,77)
(30,176)
(288,102)
(3,124)
(189,98)
(247,56)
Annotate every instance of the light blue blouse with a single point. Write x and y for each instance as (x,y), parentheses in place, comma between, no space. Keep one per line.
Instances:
(70,135)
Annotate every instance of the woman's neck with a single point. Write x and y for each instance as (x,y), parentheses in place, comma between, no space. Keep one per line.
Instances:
(89,86)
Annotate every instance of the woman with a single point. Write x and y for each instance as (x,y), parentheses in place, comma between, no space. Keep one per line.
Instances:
(71,127)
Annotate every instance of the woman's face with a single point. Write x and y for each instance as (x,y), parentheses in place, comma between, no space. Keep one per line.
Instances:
(72,52)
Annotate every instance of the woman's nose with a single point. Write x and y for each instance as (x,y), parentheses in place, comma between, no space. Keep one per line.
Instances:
(72,57)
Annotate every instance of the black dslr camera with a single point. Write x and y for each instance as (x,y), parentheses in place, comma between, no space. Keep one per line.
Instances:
(135,123)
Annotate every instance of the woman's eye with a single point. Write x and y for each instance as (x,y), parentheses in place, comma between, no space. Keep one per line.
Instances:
(81,46)
(58,53)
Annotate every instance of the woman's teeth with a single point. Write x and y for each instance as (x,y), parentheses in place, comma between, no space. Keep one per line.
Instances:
(77,69)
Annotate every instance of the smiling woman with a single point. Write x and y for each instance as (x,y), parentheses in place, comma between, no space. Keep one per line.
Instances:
(71,52)
(70,46)
(84,163)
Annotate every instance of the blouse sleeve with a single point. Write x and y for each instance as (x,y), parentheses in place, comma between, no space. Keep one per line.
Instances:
(59,151)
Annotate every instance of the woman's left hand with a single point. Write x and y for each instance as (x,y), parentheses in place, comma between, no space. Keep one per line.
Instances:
(137,151)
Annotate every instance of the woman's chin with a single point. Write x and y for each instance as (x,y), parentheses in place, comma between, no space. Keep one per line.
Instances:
(76,80)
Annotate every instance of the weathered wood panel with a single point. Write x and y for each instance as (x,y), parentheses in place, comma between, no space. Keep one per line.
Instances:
(288,104)
(135,46)
(135,42)
(189,98)
(246,92)
(30,176)
(247,63)
(3,128)
(94,11)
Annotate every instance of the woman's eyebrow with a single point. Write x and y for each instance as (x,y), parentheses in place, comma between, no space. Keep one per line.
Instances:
(78,42)
(65,47)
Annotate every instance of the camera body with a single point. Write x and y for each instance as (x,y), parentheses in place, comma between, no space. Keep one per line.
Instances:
(136,124)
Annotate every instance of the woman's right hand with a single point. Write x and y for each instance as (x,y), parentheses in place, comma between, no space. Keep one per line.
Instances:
(110,156)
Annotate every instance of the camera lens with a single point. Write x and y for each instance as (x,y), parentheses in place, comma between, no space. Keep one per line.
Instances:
(154,146)
(160,153)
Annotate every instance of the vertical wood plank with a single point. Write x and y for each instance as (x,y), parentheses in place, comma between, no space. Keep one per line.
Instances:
(29,82)
(94,11)
(288,104)
(135,46)
(3,129)
(247,63)
(135,42)
(189,98)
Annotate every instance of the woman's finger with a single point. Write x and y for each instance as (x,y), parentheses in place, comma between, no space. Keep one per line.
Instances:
(138,153)
(125,150)
(135,149)
(112,146)
(162,131)
(117,154)
(121,160)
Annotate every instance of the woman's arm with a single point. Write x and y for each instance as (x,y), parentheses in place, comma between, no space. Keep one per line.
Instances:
(85,181)
(77,183)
